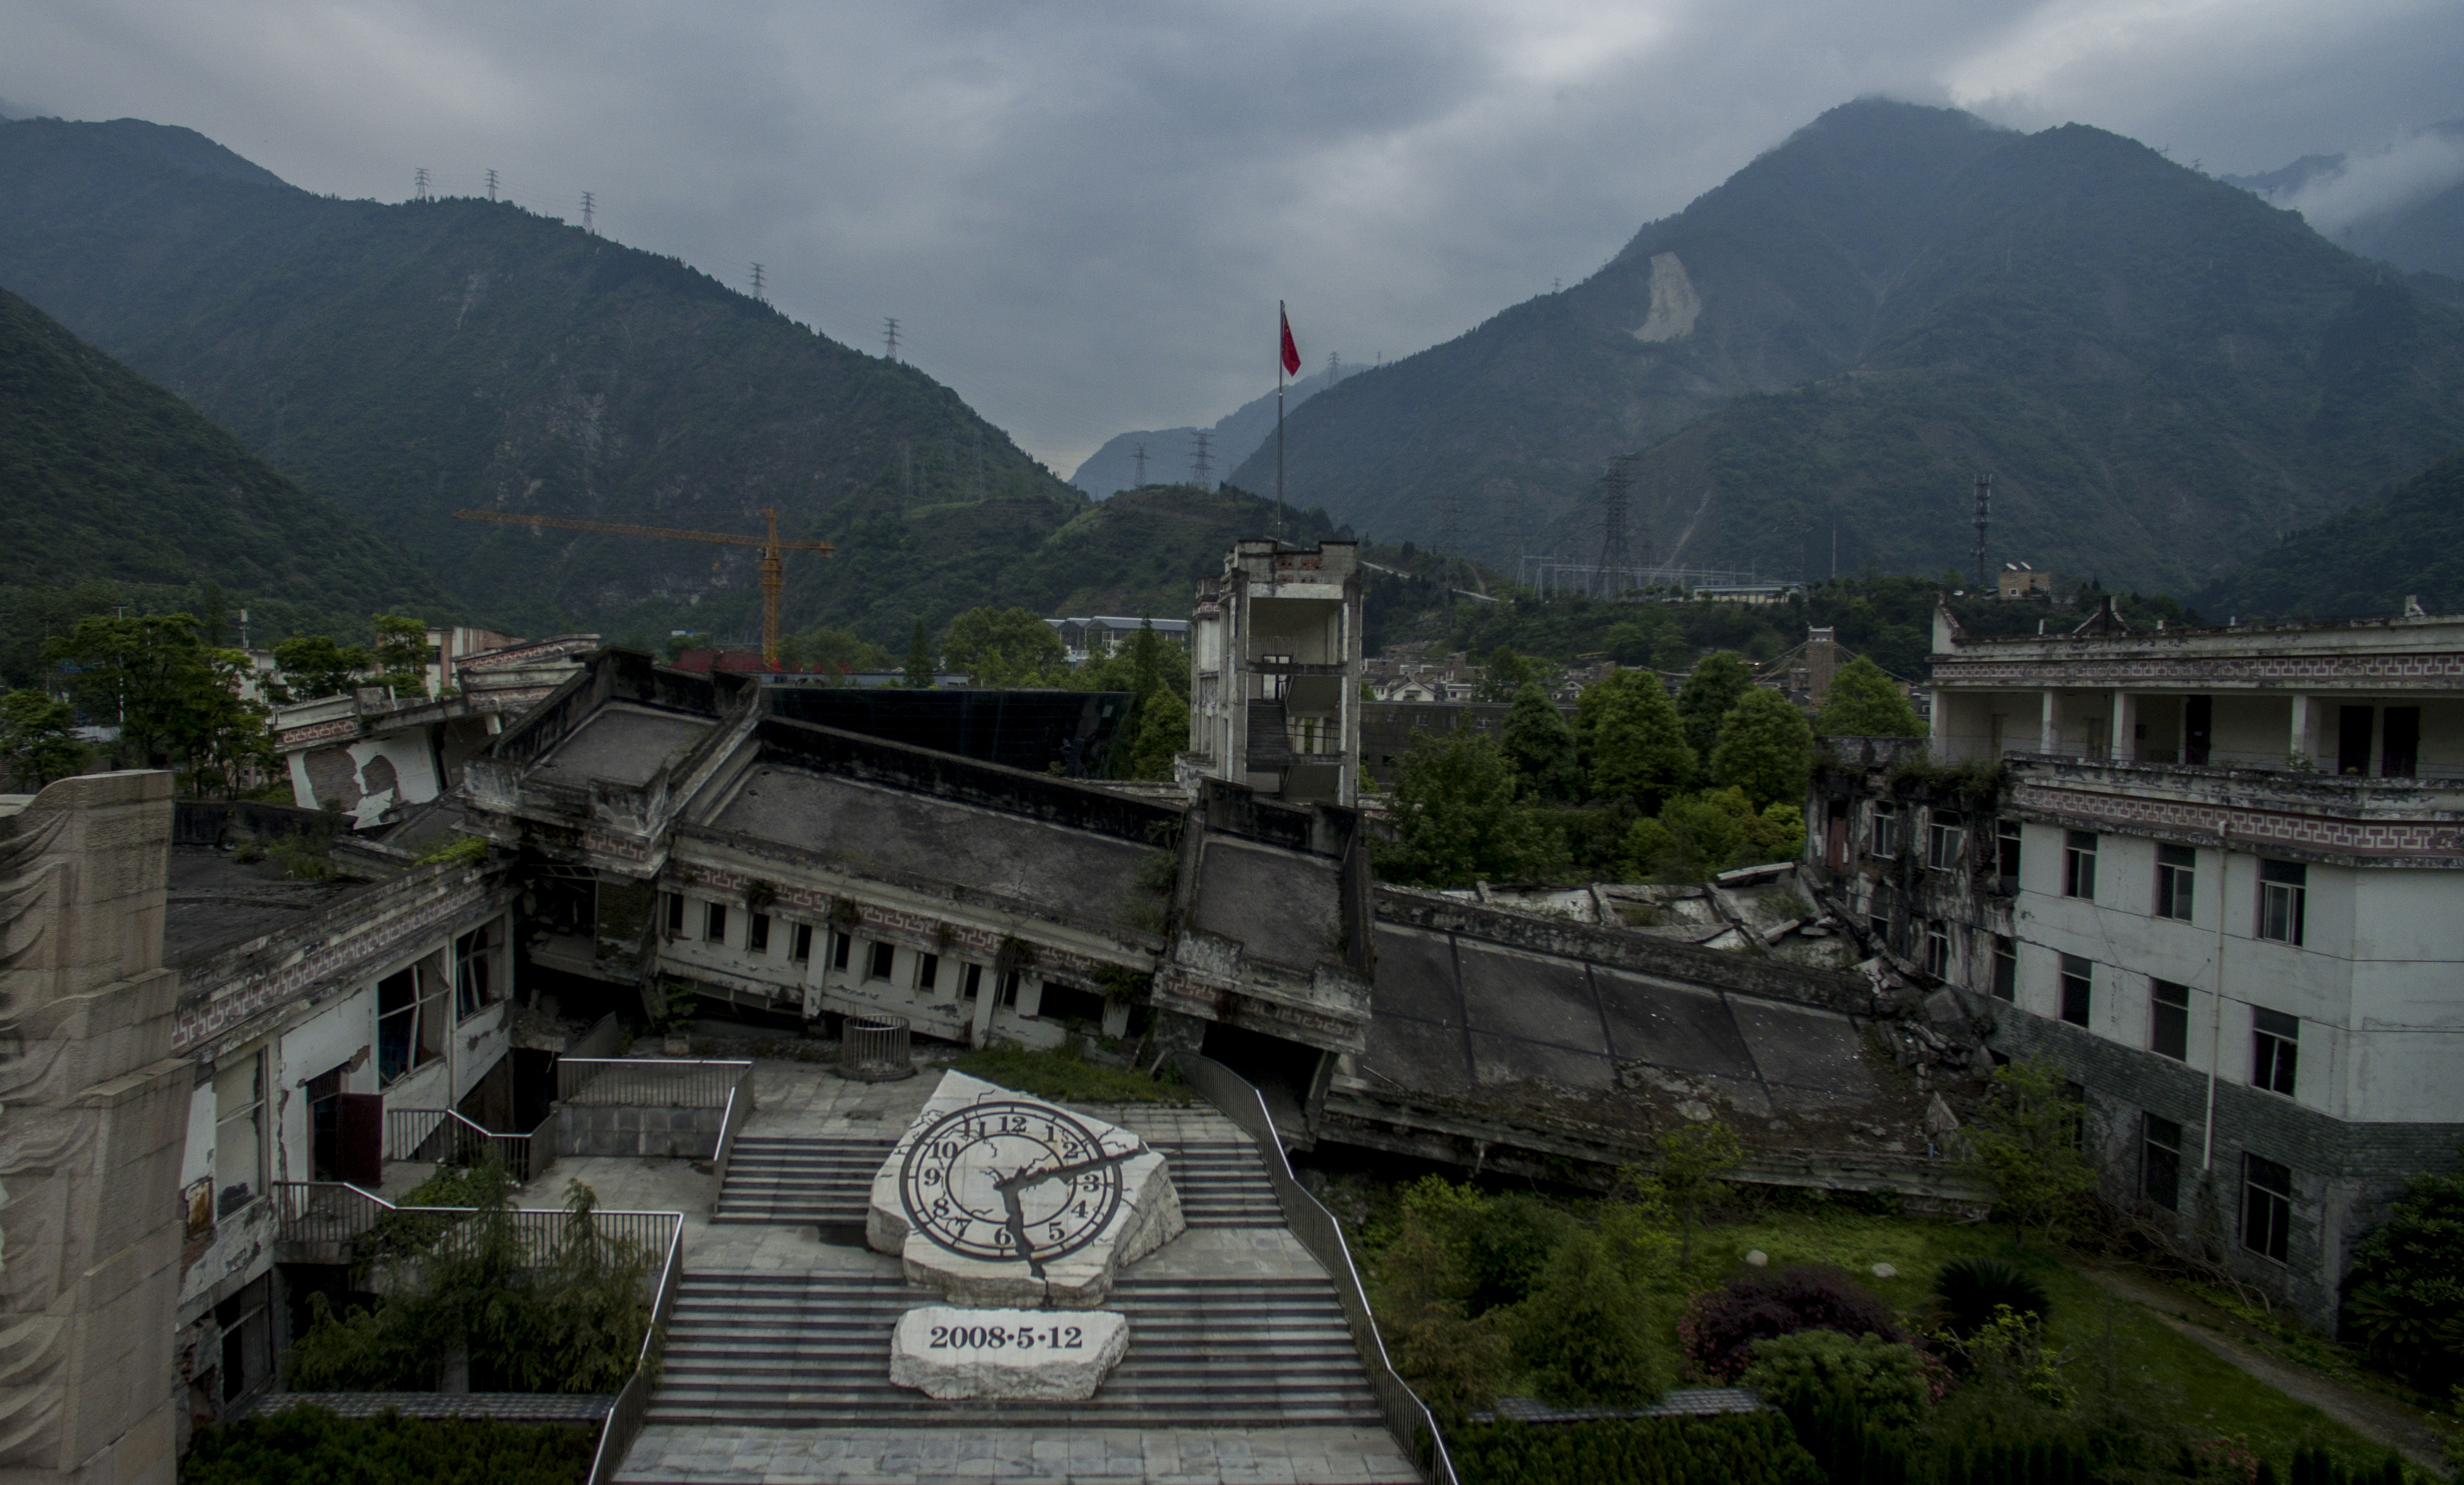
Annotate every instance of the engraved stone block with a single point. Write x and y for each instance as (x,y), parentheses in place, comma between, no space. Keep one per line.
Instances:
(951,1353)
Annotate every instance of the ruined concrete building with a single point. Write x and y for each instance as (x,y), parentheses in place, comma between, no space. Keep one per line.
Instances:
(1275,670)
(2210,874)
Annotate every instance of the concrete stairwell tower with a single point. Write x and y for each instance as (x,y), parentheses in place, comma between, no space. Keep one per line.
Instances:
(1274,658)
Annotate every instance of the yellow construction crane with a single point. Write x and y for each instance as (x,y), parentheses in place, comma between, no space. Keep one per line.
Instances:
(773,566)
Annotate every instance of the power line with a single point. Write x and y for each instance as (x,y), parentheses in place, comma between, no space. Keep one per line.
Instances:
(757,283)
(589,205)
(891,339)
(491,186)
(1204,466)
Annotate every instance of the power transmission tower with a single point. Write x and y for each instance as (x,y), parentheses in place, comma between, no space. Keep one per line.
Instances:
(1140,483)
(1616,554)
(491,186)
(1983,513)
(891,339)
(1334,368)
(1202,468)
(419,184)
(757,283)
(589,205)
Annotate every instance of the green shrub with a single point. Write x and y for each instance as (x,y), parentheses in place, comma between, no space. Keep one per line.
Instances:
(1060,1073)
(1584,1337)
(1750,1449)
(1451,1359)
(1886,1380)
(1504,1246)
(1973,1287)
(2406,1296)
(315,1446)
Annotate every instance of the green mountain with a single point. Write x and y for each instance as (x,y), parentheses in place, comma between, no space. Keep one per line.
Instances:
(107,479)
(2363,563)
(2163,372)
(412,359)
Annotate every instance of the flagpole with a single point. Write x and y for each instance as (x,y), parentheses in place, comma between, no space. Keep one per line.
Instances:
(1282,318)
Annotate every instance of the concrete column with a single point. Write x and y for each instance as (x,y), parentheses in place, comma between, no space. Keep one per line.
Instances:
(2126,726)
(2298,739)
(2052,739)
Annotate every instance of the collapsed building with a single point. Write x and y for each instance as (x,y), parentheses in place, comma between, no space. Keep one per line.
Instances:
(2210,874)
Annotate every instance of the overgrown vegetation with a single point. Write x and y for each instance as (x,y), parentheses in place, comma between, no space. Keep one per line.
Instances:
(1755,1449)
(316,1446)
(1062,1073)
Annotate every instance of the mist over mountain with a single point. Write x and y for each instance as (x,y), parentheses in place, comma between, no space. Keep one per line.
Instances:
(2162,372)
(410,359)
(1170,452)
(2402,203)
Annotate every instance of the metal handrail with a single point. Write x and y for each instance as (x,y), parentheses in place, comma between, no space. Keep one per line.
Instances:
(337,1213)
(445,1136)
(741,1105)
(648,1083)
(631,1408)
(1239,1100)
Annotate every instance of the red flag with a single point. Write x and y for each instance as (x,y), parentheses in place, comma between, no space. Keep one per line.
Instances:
(1292,349)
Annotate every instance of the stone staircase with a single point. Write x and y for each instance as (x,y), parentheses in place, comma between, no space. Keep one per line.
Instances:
(829,1182)
(812,1351)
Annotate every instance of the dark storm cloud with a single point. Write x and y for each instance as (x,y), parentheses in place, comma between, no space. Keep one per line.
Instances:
(1083,214)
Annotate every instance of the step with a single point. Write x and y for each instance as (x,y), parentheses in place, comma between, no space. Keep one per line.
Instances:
(783,1181)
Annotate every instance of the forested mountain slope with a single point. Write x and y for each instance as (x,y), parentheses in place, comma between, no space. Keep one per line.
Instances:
(2163,372)
(410,359)
(2363,563)
(105,477)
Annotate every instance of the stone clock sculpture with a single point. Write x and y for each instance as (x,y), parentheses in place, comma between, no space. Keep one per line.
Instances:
(995,1198)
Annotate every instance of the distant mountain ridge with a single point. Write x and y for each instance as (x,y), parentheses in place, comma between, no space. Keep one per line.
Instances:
(2163,372)
(410,359)
(2403,204)
(1170,451)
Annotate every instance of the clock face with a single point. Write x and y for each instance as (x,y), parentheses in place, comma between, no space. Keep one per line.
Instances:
(1010,1181)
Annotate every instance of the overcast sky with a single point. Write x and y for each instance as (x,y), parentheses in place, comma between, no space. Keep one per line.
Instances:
(1083,214)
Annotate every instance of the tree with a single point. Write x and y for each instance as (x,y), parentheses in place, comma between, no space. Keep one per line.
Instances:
(1694,1160)
(1146,659)
(1002,646)
(37,740)
(314,665)
(1582,1337)
(836,651)
(2025,1140)
(1765,748)
(1636,746)
(218,730)
(919,674)
(1863,702)
(139,672)
(1162,730)
(1541,746)
(1503,674)
(401,653)
(2408,1286)
(1718,683)
(1456,819)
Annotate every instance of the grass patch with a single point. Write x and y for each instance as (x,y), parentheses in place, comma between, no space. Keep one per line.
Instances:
(1058,1072)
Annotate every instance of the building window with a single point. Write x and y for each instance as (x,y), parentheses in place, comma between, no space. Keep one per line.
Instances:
(247,1323)
(411,1020)
(473,990)
(1881,928)
(239,1134)
(1937,949)
(2079,864)
(757,934)
(928,972)
(2006,847)
(1886,829)
(2266,1207)
(714,922)
(2175,868)
(800,948)
(2078,977)
(2283,891)
(2169,1019)
(840,946)
(2160,1161)
(2006,968)
(675,915)
(1009,986)
(1944,840)
(974,983)
(2274,1037)
(883,958)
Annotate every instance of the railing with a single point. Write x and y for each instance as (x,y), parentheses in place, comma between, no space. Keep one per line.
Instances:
(740,1108)
(331,1212)
(447,1138)
(1407,1418)
(875,1049)
(648,1083)
(1969,750)
(632,1405)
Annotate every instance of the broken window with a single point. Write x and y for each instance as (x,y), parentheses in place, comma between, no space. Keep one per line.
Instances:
(246,1322)
(2006,967)
(1937,949)
(2274,1040)
(841,947)
(974,984)
(714,922)
(411,1020)
(757,934)
(2176,870)
(675,915)
(1944,840)
(2169,1019)
(239,1133)
(2266,1207)
(474,989)
(1885,836)
(884,958)
(2079,864)
(928,972)
(799,949)
(2160,1161)
(2283,895)
(2005,846)
(2078,980)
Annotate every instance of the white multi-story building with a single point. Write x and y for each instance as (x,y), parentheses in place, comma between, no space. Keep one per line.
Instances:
(2217,875)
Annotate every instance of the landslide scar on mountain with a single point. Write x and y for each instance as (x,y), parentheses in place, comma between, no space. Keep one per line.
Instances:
(1674,303)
